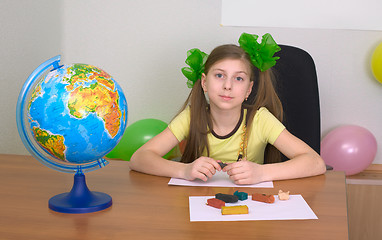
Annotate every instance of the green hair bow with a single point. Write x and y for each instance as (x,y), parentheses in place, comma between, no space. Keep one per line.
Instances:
(196,60)
(261,53)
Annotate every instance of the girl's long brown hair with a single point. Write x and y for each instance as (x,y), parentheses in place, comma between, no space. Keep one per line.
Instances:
(263,95)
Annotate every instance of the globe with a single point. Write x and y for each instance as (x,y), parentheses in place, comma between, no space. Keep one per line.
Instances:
(69,117)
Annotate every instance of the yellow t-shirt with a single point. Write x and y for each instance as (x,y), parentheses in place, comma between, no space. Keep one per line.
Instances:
(265,129)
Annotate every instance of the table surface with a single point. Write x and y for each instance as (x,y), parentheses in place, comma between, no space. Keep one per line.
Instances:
(145,207)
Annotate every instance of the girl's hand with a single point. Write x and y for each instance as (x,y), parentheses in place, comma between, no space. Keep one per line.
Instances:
(202,168)
(244,172)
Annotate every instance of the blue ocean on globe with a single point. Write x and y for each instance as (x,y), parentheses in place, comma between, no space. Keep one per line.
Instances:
(77,113)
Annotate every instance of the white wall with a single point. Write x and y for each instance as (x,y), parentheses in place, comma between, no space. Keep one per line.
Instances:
(30,33)
(143,45)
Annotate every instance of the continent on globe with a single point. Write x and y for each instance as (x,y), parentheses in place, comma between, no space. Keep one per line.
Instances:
(97,98)
(52,143)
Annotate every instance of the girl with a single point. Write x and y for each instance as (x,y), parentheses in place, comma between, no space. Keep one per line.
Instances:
(220,124)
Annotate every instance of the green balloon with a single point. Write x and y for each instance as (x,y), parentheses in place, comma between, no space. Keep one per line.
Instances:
(135,136)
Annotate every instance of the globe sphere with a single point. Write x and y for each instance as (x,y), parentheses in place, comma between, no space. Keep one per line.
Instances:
(72,117)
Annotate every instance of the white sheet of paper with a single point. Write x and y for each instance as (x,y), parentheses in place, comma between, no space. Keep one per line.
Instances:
(292,209)
(220,179)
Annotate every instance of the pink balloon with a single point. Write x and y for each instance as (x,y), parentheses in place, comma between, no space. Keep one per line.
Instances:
(349,148)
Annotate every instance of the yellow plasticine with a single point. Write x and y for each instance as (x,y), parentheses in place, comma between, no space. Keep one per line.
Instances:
(229,210)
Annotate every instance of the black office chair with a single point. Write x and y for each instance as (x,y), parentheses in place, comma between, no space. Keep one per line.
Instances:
(297,88)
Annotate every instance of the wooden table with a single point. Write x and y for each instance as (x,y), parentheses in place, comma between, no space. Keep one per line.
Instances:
(145,207)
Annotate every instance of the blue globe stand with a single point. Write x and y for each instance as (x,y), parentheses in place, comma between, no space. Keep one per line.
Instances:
(80,199)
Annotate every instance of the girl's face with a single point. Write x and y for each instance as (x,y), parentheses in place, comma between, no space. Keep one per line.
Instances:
(227,83)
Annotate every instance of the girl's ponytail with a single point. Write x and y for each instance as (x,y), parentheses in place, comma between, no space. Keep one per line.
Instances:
(264,95)
(199,122)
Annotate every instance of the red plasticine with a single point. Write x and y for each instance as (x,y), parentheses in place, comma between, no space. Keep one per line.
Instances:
(216,203)
(263,198)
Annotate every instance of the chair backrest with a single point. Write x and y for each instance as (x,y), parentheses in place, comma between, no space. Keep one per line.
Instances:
(297,88)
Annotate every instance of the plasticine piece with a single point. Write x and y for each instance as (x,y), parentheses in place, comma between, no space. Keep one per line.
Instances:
(229,210)
(283,195)
(222,165)
(216,203)
(241,195)
(263,198)
(227,198)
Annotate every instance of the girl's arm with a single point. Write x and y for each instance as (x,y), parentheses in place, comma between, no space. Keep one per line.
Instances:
(304,162)
(148,159)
